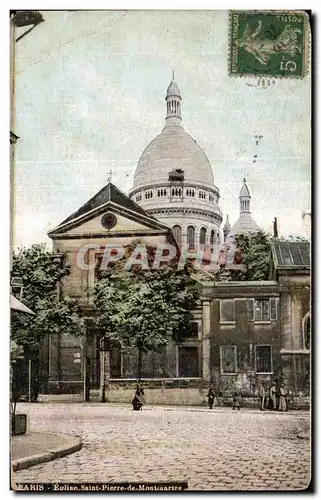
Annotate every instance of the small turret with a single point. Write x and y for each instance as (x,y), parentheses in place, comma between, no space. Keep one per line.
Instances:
(245,198)
(226,228)
(173,103)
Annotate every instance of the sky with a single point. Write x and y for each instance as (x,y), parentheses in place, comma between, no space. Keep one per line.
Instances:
(90,96)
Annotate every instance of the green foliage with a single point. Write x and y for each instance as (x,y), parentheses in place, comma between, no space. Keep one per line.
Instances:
(256,252)
(143,309)
(41,272)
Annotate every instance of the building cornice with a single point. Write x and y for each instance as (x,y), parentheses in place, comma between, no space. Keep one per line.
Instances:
(213,189)
(164,211)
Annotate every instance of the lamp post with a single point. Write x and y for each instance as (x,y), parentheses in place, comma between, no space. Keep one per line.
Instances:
(104,347)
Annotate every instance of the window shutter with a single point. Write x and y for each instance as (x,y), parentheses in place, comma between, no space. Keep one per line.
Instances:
(250,309)
(274,308)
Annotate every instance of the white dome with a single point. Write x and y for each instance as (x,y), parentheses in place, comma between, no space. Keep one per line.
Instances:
(244,225)
(173,149)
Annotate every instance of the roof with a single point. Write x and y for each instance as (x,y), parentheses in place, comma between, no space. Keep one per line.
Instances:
(227,225)
(108,194)
(172,150)
(173,89)
(291,254)
(16,305)
(244,190)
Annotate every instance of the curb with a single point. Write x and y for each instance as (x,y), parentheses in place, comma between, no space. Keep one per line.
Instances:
(26,462)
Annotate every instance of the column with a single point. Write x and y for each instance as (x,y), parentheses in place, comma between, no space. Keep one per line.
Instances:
(206,340)
(54,363)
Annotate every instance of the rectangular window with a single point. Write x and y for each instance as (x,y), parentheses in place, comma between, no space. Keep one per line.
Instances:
(188,361)
(228,359)
(191,331)
(262,309)
(250,309)
(227,311)
(263,359)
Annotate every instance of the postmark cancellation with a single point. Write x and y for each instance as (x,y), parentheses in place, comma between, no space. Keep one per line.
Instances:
(274,43)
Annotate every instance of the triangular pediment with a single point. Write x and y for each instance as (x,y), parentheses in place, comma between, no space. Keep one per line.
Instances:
(129,217)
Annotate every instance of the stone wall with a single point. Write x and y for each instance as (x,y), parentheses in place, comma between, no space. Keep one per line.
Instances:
(295,304)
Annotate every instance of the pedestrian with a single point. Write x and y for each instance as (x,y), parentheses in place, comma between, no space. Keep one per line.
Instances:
(262,395)
(139,399)
(237,400)
(211,397)
(273,396)
(283,405)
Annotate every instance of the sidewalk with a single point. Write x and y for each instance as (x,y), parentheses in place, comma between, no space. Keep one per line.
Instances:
(35,448)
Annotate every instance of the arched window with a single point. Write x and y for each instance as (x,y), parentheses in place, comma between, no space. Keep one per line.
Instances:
(190,237)
(177,232)
(212,237)
(202,236)
(306,331)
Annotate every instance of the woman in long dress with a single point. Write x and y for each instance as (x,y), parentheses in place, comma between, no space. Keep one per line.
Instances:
(273,396)
(282,399)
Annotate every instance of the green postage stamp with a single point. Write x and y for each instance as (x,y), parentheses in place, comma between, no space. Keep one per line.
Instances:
(274,43)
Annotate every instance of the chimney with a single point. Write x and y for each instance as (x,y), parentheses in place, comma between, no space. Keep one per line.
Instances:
(275,228)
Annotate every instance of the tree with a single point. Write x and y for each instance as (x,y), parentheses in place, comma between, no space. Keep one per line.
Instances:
(143,309)
(254,252)
(41,272)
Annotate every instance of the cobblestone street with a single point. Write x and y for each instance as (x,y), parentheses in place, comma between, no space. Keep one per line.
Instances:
(211,450)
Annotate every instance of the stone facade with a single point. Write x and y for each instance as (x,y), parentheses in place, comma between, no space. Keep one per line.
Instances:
(245,335)
(66,361)
(290,265)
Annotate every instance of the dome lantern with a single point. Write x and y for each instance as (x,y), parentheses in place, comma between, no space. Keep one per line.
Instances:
(173,104)
(226,228)
(245,198)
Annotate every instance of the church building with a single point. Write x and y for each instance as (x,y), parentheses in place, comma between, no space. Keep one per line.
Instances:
(237,339)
